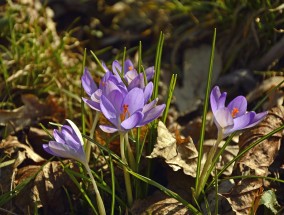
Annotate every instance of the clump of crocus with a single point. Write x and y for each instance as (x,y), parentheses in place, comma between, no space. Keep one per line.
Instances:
(125,111)
(233,117)
(68,143)
(228,119)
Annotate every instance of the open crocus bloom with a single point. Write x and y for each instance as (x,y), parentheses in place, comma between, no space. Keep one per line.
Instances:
(68,143)
(234,117)
(130,75)
(129,110)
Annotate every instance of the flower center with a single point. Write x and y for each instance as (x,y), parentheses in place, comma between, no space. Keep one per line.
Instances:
(235,111)
(130,68)
(125,112)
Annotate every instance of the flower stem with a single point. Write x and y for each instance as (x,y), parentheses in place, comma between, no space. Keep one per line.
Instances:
(126,174)
(130,155)
(92,132)
(205,173)
(100,202)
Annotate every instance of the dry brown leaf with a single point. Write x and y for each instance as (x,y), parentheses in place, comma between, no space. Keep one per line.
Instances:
(46,189)
(158,203)
(276,98)
(178,156)
(184,155)
(242,194)
(245,194)
(11,145)
(32,110)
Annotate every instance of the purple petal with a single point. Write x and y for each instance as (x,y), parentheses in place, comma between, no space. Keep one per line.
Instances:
(257,119)
(96,96)
(128,66)
(58,136)
(136,82)
(71,139)
(241,122)
(238,106)
(131,75)
(76,132)
(105,67)
(150,73)
(116,98)
(109,111)
(88,83)
(132,121)
(108,129)
(150,105)
(214,98)
(148,92)
(135,100)
(152,114)
(47,149)
(92,104)
(116,68)
(63,150)
(223,118)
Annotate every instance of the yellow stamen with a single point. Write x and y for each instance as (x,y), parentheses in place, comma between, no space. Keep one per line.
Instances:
(235,111)
(130,68)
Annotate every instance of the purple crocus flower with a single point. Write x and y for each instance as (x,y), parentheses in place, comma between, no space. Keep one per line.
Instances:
(234,117)
(130,75)
(68,143)
(108,83)
(129,110)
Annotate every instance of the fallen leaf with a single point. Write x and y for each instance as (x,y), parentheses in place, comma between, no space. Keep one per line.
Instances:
(45,190)
(32,111)
(183,155)
(11,145)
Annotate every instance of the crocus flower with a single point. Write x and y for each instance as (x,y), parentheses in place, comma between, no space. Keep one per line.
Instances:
(108,83)
(128,110)
(68,143)
(235,116)
(130,75)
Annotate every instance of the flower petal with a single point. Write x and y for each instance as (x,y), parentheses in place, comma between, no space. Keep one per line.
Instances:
(135,100)
(109,111)
(152,114)
(148,91)
(150,105)
(257,119)
(128,66)
(58,136)
(241,122)
(116,68)
(63,150)
(132,121)
(214,98)
(240,104)
(76,130)
(108,129)
(92,104)
(88,83)
(223,118)
(105,67)
(150,72)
